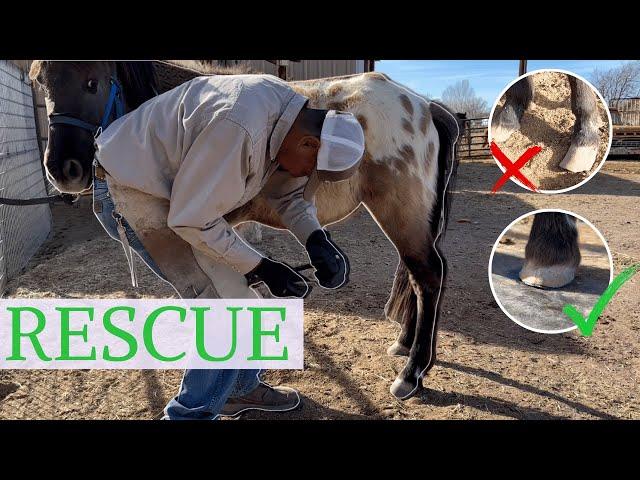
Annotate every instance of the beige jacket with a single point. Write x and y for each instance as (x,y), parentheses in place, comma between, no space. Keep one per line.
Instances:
(208,146)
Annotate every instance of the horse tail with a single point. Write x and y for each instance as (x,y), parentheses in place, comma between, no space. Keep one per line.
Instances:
(449,129)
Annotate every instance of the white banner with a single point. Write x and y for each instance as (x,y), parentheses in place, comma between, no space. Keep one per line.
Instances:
(151,334)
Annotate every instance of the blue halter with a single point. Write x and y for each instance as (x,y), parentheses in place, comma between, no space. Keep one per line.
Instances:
(115,100)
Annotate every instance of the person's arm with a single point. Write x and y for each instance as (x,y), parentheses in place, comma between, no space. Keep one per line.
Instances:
(284,194)
(209,183)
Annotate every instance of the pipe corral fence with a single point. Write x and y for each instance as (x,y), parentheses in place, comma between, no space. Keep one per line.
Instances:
(474,140)
(625,113)
(22,229)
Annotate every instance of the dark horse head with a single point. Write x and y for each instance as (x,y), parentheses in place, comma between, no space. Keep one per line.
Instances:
(80,90)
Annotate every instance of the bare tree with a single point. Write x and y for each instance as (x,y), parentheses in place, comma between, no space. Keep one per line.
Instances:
(619,82)
(461,98)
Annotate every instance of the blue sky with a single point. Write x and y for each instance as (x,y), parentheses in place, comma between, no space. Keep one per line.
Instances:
(487,77)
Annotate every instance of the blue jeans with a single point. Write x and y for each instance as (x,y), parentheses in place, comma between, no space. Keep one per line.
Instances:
(103,209)
(202,392)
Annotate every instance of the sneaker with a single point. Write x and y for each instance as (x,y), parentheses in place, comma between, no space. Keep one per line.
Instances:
(264,397)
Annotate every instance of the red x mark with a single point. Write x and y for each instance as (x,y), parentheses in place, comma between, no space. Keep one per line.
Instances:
(513,168)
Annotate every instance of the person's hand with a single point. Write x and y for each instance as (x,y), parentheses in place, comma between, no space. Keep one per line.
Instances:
(331,264)
(280,278)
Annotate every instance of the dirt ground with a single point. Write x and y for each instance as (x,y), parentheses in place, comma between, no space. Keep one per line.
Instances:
(548,123)
(488,367)
(541,308)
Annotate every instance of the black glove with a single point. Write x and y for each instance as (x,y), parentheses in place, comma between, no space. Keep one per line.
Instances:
(280,278)
(331,264)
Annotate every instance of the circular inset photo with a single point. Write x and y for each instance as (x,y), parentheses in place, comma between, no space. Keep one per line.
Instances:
(545,260)
(561,113)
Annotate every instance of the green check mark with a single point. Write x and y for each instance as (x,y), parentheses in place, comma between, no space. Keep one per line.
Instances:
(586,325)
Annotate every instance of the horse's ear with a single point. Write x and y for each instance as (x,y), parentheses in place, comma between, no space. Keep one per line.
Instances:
(37,70)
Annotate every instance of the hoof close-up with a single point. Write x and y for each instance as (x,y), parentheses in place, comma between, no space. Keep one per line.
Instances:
(579,158)
(403,389)
(555,276)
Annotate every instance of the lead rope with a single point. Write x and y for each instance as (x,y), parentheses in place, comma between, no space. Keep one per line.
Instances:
(115,99)
(128,251)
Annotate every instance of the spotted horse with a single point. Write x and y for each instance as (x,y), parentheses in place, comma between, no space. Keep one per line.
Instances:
(404,181)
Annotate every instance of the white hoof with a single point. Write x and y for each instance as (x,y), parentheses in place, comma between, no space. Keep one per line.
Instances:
(506,125)
(402,389)
(398,350)
(579,159)
(501,134)
(555,276)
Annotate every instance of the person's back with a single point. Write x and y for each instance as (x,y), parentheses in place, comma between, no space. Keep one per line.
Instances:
(147,146)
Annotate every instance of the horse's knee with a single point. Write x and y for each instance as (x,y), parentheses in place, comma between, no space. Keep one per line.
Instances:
(428,272)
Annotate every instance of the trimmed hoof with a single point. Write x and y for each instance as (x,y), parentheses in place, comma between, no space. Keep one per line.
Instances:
(403,389)
(398,350)
(554,276)
(579,158)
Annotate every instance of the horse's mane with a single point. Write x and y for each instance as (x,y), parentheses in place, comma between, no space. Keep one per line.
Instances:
(142,80)
(171,73)
(211,67)
(138,80)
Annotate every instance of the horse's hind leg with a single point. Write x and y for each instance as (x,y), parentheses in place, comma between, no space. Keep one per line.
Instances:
(552,254)
(506,119)
(416,294)
(427,274)
(583,150)
(401,308)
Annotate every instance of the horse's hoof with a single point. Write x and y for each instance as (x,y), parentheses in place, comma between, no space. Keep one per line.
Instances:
(554,276)
(579,158)
(403,389)
(506,125)
(398,350)
(501,134)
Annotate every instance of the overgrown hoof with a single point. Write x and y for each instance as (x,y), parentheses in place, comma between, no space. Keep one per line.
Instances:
(505,125)
(554,276)
(398,350)
(579,158)
(404,389)
(501,134)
